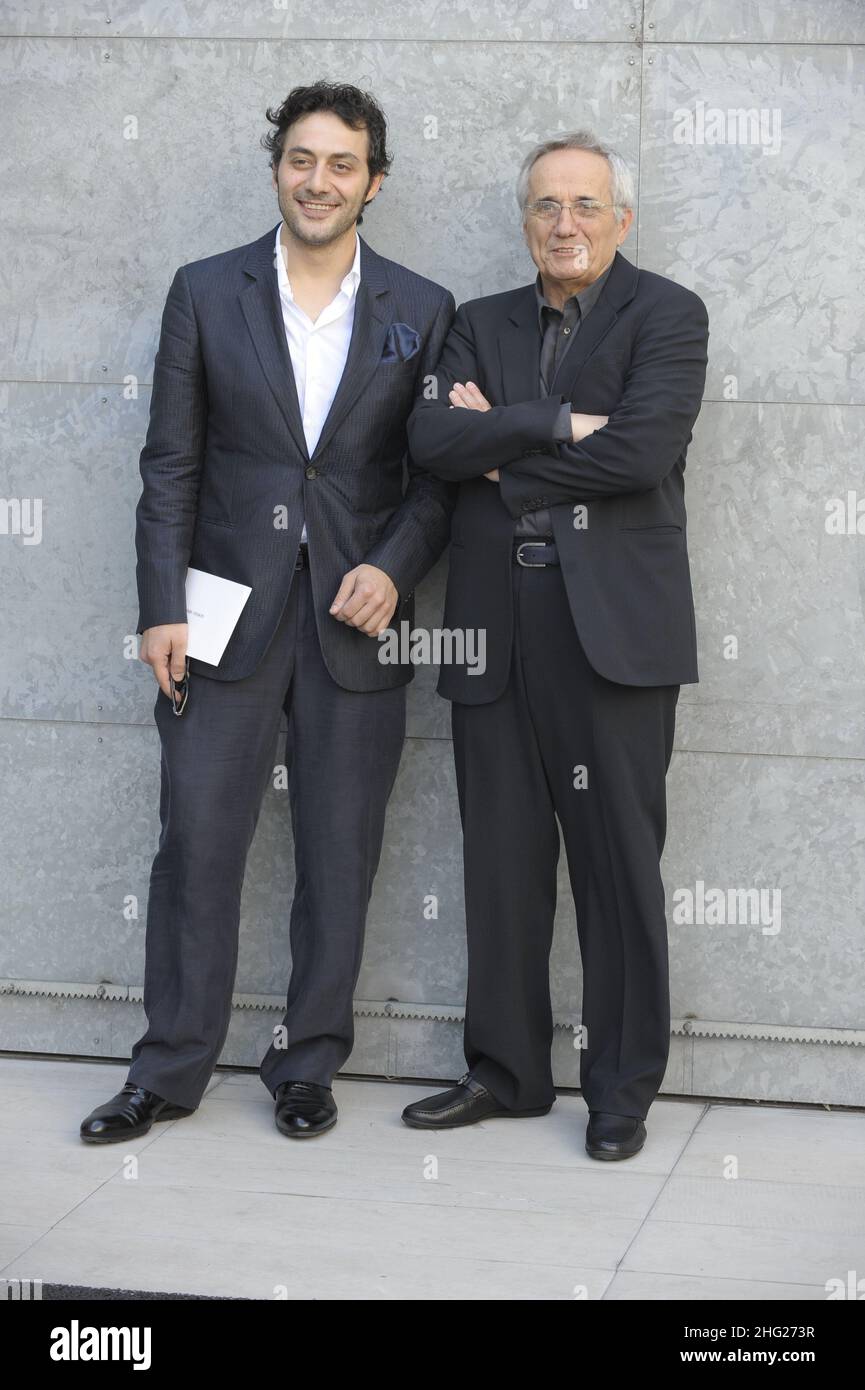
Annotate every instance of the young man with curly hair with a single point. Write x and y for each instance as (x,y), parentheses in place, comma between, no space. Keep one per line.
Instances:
(275,457)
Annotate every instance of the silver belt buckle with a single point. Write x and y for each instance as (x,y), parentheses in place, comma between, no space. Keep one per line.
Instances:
(527,564)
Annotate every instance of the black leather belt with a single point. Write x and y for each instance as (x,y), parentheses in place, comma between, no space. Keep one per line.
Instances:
(302,561)
(535,554)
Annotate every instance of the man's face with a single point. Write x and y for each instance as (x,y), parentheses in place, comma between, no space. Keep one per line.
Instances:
(574,248)
(322,180)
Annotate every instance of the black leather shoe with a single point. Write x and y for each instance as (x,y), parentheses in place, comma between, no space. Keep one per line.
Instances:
(463,1104)
(614,1136)
(128,1115)
(304,1108)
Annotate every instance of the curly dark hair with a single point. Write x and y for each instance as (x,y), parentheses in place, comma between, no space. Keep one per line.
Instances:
(356,108)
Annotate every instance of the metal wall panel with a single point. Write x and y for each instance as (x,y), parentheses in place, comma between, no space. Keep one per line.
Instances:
(130,145)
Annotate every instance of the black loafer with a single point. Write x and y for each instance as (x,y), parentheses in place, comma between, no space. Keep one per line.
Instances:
(128,1115)
(304,1108)
(463,1104)
(614,1136)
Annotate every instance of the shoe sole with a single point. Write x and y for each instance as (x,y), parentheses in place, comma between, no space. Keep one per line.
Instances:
(463,1124)
(172,1113)
(308,1133)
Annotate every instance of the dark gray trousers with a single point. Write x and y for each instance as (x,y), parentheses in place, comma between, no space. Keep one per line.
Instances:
(516,764)
(342,753)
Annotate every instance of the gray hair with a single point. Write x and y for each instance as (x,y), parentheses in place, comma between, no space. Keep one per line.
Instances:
(621,178)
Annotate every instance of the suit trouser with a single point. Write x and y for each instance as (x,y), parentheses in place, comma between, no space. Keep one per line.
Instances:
(517,761)
(342,753)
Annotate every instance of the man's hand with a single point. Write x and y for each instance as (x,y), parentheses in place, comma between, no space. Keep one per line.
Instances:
(164,648)
(469,397)
(582,425)
(366,599)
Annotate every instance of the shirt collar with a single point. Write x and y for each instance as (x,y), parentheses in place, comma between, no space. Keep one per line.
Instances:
(585,299)
(349,283)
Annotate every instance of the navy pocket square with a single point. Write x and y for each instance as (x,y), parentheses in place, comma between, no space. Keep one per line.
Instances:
(401,343)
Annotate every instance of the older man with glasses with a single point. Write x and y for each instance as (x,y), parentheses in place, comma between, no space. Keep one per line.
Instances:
(563,410)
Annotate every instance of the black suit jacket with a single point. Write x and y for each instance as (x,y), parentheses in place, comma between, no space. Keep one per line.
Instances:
(640,357)
(227,477)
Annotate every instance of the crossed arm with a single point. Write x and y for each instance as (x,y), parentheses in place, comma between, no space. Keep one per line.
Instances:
(577,426)
(467,443)
(632,452)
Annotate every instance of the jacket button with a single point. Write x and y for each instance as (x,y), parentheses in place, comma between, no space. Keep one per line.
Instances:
(312,472)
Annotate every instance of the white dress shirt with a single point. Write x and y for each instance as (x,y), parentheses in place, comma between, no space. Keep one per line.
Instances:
(318,350)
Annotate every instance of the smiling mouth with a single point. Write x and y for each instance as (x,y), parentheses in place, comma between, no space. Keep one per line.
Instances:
(312,205)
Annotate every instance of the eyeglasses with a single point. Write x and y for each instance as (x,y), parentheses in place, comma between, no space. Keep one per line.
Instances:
(548,210)
(180,688)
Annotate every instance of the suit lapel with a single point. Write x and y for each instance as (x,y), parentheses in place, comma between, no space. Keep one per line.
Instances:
(369,330)
(259,301)
(621,287)
(520,349)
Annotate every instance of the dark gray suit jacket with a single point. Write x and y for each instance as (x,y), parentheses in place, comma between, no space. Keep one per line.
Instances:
(640,358)
(227,477)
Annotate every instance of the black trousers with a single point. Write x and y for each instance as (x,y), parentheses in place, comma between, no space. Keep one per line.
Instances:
(342,753)
(518,762)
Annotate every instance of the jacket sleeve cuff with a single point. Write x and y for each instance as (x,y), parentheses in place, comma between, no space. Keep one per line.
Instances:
(562,432)
(521,494)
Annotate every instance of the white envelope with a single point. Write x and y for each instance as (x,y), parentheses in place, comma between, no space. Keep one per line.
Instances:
(213,606)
